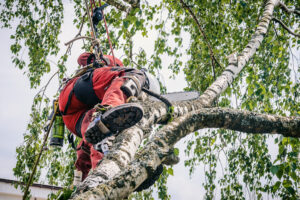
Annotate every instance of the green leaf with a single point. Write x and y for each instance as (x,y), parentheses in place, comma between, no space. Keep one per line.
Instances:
(286,183)
(170,171)
(274,169)
(276,186)
(176,151)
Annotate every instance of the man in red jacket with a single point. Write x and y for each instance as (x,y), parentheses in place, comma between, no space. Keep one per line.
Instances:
(108,86)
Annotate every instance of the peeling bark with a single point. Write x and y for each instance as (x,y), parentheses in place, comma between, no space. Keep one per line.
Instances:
(129,140)
(245,121)
(158,147)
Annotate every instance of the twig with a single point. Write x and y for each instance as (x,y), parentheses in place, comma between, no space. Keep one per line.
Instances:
(285,8)
(38,158)
(78,34)
(285,26)
(78,38)
(81,25)
(202,32)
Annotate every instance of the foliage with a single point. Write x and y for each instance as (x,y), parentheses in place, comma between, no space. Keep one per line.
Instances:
(267,85)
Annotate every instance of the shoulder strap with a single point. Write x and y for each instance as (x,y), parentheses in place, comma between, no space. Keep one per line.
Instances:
(83,89)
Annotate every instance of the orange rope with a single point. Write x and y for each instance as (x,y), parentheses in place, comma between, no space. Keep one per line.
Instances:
(107,32)
(92,12)
(93,5)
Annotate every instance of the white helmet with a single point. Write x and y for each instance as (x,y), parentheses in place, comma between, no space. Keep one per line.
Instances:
(153,83)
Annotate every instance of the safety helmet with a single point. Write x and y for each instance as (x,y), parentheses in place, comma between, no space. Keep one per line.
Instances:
(87,58)
(153,83)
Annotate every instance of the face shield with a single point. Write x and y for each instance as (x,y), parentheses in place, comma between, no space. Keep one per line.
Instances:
(153,83)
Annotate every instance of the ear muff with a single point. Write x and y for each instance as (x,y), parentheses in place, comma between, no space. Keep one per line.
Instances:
(91,58)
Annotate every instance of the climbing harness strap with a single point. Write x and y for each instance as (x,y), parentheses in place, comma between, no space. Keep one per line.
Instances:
(83,91)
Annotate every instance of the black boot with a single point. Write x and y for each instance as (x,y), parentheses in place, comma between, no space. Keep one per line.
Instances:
(112,121)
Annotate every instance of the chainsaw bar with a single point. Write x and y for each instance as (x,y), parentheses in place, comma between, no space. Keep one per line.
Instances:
(179,96)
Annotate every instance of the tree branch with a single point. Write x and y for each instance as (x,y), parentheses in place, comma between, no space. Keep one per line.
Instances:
(119,157)
(212,55)
(119,5)
(285,27)
(158,147)
(285,8)
(248,122)
(238,62)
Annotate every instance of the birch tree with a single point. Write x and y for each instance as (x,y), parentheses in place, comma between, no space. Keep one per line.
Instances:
(241,60)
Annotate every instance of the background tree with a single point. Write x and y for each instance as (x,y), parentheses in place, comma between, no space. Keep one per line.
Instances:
(224,37)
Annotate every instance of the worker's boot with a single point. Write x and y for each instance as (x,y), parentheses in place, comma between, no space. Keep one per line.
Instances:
(113,120)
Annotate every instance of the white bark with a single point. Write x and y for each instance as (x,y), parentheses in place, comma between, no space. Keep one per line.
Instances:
(238,62)
(158,147)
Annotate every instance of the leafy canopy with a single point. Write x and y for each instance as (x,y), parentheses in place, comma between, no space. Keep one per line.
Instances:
(269,84)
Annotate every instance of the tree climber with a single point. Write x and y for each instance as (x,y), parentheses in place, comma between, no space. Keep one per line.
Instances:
(94,106)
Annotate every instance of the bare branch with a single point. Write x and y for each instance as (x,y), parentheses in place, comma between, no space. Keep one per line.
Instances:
(285,27)
(248,122)
(78,38)
(212,55)
(285,8)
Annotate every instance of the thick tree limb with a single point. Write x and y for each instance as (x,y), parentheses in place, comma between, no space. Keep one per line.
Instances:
(286,9)
(248,122)
(159,146)
(129,140)
(285,27)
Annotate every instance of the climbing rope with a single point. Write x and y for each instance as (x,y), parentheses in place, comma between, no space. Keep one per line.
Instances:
(95,42)
(164,100)
(30,180)
(108,38)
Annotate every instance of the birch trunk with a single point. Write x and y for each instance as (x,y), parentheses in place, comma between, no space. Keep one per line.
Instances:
(159,146)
